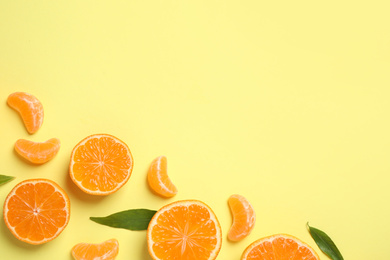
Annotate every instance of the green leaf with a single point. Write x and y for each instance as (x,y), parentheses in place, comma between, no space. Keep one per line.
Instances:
(5,179)
(325,243)
(133,219)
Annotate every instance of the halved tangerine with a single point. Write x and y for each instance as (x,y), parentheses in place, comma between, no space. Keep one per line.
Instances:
(106,250)
(280,246)
(29,108)
(100,164)
(38,152)
(36,211)
(186,229)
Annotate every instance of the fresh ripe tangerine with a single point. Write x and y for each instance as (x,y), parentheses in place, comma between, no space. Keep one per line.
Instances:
(244,217)
(36,211)
(29,108)
(106,250)
(100,164)
(186,229)
(38,152)
(158,179)
(280,246)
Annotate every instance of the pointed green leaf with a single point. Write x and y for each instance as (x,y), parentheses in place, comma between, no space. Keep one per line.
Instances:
(5,179)
(133,219)
(325,243)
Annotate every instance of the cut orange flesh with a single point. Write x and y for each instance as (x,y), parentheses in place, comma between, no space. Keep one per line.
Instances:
(29,108)
(36,152)
(158,178)
(185,229)
(100,164)
(36,211)
(107,250)
(244,217)
(279,246)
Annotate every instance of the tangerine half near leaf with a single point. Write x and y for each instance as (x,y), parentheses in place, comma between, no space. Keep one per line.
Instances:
(107,250)
(158,179)
(280,246)
(244,217)
(36,211)
(100,164)
(186,229)
(38,152)
(29,108)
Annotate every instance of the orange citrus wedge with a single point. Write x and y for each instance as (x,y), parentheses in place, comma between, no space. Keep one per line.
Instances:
(37,152)
(36,211)
(244,217)
(106,250)
(280,246)
(100,164)
(158,178)
(29,108)
(186,229)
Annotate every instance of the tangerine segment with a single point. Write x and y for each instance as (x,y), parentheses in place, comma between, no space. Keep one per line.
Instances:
(36,211)
(280,246)
(158,179)
(29,108)
(100,164)
(36,152)
(106,250)
(244,217)
(186,229)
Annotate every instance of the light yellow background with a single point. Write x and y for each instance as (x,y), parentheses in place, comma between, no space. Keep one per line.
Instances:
(284,102)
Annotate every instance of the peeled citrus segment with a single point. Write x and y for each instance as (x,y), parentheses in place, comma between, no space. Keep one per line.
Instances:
(186,229)
(158,178)
(280,246)
(37,152)
(29,108)
(106,250)
(100,164)
(36,211)
(244,217)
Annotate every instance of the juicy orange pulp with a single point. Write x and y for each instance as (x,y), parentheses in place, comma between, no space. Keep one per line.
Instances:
(280,246)
(186,229)
(36,211)
(100,164)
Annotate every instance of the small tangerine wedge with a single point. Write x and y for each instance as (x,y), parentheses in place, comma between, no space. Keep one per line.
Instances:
(158,179)
(280,246)
(29,108)
(100,164)
(106,250)
(244,217)
(186,229)
(36,211)
(38,152)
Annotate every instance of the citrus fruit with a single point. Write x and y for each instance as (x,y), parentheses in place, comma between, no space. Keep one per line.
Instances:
(244,217)
(186,229)
(100,164)
(38,152)
(29,108)
(158,179)
(36,211)
(106,250)
(280,246)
